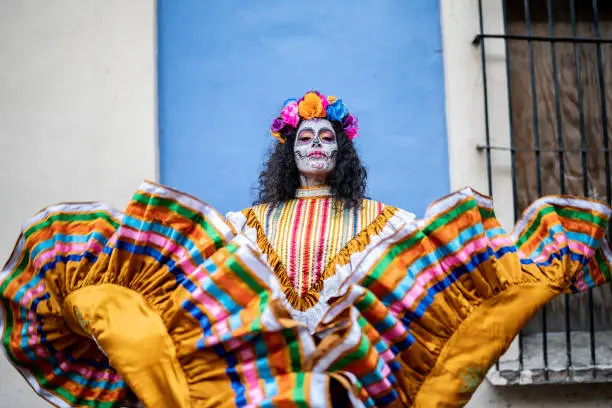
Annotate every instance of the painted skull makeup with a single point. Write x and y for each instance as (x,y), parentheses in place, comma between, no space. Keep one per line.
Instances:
(315,147)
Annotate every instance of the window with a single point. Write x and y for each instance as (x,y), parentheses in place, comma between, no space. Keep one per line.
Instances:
(558,67)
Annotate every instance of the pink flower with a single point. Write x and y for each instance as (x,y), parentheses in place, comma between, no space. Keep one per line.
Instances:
(351,126)
(290,114)
(351,133)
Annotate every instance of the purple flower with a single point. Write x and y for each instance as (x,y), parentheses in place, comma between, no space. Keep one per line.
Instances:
(277,125)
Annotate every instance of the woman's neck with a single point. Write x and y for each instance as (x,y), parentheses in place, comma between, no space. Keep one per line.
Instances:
(313,181)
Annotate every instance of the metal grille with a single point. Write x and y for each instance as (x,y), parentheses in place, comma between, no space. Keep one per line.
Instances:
(559,74)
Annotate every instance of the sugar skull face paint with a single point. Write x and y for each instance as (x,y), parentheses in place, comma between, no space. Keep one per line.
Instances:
(315,148)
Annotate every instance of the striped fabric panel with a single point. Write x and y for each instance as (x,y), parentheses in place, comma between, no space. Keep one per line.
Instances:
(555,228)
(369,350)
(308,233)
(240,327)
(168,233)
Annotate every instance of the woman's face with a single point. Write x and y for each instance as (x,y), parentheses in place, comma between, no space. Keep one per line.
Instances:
(315,148)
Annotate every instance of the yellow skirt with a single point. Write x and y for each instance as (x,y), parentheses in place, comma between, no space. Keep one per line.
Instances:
(165,304)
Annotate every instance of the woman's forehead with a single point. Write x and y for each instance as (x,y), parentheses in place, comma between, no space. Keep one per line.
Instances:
(315,124)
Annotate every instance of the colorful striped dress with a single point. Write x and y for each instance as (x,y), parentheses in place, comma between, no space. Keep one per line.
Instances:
(172,305)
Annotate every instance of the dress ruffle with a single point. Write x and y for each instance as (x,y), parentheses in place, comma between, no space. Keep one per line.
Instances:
(54,254)
(416,320)
(440,302)
(150,249)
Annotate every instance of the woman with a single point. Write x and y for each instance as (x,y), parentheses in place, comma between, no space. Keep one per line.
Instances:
(315,296)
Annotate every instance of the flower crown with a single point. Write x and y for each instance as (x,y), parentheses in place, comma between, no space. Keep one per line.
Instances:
(313,105)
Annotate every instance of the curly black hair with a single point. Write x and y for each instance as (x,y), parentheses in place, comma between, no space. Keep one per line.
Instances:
(279,179)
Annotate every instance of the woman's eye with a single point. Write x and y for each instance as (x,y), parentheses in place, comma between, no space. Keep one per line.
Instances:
(305,136)
(327,136)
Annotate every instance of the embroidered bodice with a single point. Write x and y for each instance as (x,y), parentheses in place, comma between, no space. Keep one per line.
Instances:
(308,232)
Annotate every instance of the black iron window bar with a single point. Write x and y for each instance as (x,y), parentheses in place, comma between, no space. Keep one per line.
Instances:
(479,41)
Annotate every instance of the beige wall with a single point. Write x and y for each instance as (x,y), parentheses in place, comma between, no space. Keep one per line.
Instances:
(77,115)
(466,129)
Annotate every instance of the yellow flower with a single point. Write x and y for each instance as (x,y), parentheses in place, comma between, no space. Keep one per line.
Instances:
(311,106)
(332,99)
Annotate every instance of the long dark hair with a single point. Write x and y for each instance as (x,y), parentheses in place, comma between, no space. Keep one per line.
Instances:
(279,179)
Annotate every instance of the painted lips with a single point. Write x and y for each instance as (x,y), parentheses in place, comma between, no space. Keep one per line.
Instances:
(316,155)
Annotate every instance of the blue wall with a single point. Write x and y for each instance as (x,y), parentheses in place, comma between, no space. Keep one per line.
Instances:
(226,67)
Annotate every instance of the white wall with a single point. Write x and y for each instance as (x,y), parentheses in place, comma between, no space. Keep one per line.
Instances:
(77,115)
(467,166)
(465,101)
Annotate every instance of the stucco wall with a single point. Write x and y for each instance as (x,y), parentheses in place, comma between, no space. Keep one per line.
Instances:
(77,115)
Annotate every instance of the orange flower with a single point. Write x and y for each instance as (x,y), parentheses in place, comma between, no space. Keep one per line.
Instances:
(278,136)
(311,106)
